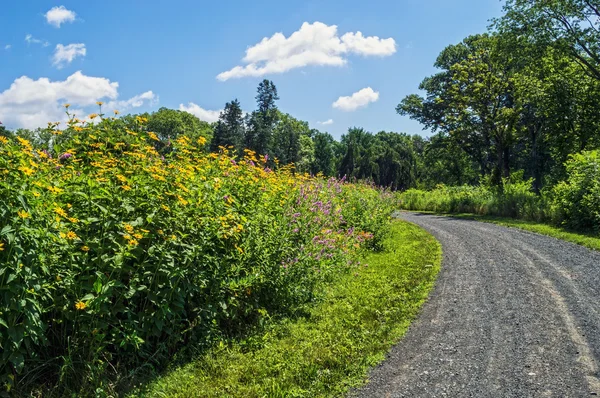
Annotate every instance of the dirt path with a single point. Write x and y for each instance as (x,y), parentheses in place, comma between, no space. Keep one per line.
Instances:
(513,314)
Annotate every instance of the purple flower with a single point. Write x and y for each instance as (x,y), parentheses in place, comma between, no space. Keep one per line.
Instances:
(296,215)
(296,230)
(65,156)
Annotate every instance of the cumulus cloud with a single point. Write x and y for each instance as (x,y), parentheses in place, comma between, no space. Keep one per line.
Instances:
(32,103)
(59,15)
(357,100)
(326,122)
(64,55)
(32,40)
(200,113)
(145,99)
(312,44)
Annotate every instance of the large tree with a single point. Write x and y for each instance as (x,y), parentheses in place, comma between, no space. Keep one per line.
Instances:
(286,139)
(472,100)
(168,124)
(573,26)
(261,122)
(229,129)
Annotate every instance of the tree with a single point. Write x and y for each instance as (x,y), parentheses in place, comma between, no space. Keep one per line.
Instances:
(324,157)
(168,124)
(262,121)
(472,100)
(229,130)
(286,139)
(568,25)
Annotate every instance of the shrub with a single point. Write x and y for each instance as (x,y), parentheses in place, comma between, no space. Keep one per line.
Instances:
(576,201)
(113,256)
(515,198)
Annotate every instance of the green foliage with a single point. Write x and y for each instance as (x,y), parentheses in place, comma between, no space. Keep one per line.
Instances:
(261,123)
(229,130)
(169,124)
(576,201)
(330,350)
(514,198)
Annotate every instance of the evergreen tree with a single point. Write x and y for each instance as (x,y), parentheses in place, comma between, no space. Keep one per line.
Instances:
(261,122)
(229,130)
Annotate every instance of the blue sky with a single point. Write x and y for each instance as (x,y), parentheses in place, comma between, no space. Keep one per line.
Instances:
(169,53)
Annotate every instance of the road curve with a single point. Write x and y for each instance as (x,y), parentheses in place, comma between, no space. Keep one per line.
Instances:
(513,314)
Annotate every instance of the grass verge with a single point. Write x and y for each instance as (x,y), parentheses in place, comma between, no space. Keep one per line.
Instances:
(589,240)
(331,349)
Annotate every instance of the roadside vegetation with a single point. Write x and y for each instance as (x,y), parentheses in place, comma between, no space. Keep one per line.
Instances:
(329,349)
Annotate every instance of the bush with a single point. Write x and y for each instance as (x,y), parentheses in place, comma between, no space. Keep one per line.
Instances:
(515,199)
(113,256)
(576,201)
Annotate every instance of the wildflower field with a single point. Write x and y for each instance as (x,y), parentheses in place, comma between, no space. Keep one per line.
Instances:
(117,249)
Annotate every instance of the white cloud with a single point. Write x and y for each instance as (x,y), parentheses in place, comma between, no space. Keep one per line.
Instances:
(7,47)
(326,122)
(312,44)
(148,98)
(64,55)
(32,103)
(200,113)
(32,40)
(59,15)
(357,100)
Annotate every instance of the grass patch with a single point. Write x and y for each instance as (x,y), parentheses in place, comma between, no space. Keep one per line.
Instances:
(331,349)
(589,240)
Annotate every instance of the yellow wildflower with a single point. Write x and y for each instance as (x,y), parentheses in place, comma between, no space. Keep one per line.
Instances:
(126,187)
(54,189)
(1,246)
(60,212)
(80,305)
(3,139)
(99,103)
(128,228)
(73,220)
(138,236)
(116,112)
(165,207)
(71,235)
(182,200)
(85,248)
(23,214)
(26,170)
(153,136)
(93,116)
(132,242)
(67,105)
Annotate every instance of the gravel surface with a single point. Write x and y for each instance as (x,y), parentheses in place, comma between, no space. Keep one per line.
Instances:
(513,314)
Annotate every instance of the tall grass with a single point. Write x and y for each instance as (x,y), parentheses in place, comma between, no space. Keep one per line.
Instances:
(573,203)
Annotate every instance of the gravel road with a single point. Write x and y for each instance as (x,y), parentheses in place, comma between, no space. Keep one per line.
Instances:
(513,314)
